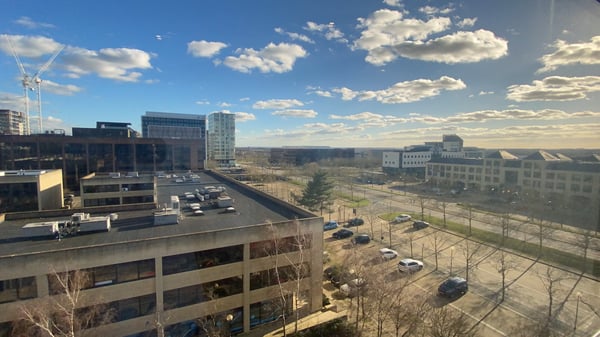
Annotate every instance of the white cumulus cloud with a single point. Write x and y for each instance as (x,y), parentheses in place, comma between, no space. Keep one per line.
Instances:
(205,48)
(555,88)
(118,64)
(277,58)
(576,53)
(404,92)
(299,113)
(277,104)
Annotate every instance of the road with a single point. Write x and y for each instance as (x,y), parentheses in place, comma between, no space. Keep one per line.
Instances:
(529,283)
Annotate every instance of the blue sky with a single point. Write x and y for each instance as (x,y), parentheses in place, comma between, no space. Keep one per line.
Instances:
(352,73)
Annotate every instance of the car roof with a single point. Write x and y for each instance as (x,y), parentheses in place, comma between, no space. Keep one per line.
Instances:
(455,279)
(407,260)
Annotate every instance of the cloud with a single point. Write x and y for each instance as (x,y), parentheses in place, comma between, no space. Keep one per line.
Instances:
(224,104)
(60,89)
(387,35)
(430,10)
(11,101)
(111,63)
(483,93)
(567,54)
(300,113)
(277,104)
(205,48)
(203,102)
(467,22)
(244,117)
(555,88)
(394,3)
(329,31)
(29,46)
(460,47)
(404,92)
(278,58)
(359,116)
(294,36)
(27,22)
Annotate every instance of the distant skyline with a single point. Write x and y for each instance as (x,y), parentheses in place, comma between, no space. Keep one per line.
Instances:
(355,73)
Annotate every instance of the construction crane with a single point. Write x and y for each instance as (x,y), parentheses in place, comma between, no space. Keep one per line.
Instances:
(38,81)
(28,83)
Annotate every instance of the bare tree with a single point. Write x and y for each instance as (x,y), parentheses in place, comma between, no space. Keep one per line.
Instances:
(383,295)
(448,322)
(544,231)
(468,213)
(504,264)
(290,269)
(444,206)
(505,225)
(64,313)
(471,251)
(584,241)
(407,315)
(551,282)
(438,242)
(422,203)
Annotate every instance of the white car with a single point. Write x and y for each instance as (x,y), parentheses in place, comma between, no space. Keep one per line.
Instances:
(388,254)
(402,218)
(351,288)
(410,265)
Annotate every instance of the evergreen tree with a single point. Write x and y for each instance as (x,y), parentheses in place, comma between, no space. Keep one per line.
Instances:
(316,192)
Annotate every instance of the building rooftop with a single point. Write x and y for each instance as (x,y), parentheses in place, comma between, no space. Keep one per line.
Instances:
(251,208)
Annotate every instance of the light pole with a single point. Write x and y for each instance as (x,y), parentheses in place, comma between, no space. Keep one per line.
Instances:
(451,258)
(229,318)
(576,311)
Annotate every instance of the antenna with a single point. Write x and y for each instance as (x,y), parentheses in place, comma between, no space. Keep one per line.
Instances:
(26,84)
(38,82)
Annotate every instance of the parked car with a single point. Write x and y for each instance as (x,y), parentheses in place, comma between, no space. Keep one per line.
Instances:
(402,218)
(410,265)
(453,287)
(342,233)
(329,225)
(338,275)
(354,222)
(388,254)
(353,286)
(361,239)
(420,224)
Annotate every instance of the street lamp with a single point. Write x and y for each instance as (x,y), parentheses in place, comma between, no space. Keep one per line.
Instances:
(229,318)
(577,310)
(451,258)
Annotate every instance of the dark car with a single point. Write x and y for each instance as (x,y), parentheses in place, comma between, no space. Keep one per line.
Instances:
(338,275)
(453,287)
(354,222)
(330,225)
(420,224)
(342,233)
(361,239)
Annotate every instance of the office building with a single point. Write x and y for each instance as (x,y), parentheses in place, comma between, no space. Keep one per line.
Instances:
(174,125)
(300,156)
(115,188)
(551,177)
(108,130)
(12,122)
(80,156)
(221,138)
(30,190)
(220,265)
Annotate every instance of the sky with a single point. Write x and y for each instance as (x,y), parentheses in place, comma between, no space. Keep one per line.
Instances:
(338,73)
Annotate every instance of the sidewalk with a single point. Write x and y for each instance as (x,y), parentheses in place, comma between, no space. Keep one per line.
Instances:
(310,321)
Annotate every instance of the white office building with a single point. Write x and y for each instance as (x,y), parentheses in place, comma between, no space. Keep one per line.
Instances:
(221,138)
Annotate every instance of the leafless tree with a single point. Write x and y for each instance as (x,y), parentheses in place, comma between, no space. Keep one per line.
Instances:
(383,295)
(448,322)
(551,281)
(66,312)
(505,225)
(468,213)
(407,315)
(471,251)
(544,231)
(289,279)
(504,264)
(584,241)
(411,240)
(438,242)
(422,203)
(444,206)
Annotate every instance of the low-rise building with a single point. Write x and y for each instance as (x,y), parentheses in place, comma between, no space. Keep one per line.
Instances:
(30,190)
(115,188)
(225,269)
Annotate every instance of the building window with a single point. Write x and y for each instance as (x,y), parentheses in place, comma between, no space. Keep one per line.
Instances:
(284,245)
(182,297)
(203,259)
(550,175)
(575,187)
(269,310)
(134,307)
(17,289)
